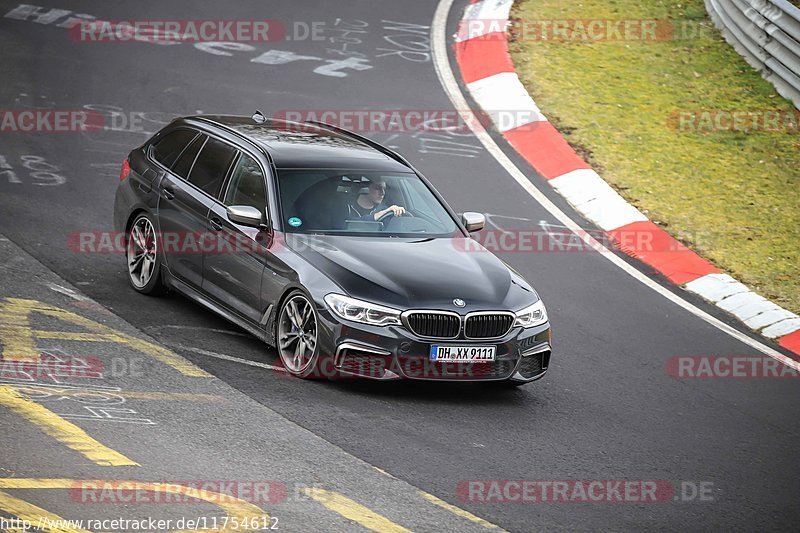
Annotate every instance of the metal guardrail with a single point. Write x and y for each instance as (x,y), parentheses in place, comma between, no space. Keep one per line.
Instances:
(767,34)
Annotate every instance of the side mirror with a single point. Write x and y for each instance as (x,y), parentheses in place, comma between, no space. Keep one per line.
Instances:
(473,221)
(246,215)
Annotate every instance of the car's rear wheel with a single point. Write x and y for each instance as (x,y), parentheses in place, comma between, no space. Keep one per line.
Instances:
(143,257)
(298,335)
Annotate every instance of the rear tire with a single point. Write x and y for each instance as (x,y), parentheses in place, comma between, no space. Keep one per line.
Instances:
(143,257)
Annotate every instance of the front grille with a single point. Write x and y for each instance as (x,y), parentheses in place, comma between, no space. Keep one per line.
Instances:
(487,326)
(531,365)
(418,368)
(438,325)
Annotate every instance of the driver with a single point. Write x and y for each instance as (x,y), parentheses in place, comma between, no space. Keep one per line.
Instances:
(370,206)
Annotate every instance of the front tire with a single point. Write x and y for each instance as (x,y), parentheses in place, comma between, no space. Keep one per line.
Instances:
(297,335)
(508,384)
(143,257)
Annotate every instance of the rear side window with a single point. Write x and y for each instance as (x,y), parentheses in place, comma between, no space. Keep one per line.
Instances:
(168,148)
(211,166)
(184,164)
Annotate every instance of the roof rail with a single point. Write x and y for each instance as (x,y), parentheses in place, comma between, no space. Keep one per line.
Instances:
(391,153)
(235,132)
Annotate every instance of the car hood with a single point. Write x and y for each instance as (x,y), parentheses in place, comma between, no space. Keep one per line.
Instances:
(415,273)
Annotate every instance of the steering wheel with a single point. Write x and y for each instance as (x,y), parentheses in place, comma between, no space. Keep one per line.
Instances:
(390,214)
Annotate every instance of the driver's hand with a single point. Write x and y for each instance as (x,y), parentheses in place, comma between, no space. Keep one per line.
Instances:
(396,210)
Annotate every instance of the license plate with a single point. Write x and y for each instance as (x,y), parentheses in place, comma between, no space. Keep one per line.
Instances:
(462,354)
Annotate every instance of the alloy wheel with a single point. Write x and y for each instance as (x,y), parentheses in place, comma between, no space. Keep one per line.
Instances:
(297,334)
(142,252)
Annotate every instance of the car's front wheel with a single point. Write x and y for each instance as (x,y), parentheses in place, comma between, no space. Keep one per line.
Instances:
(509,384)
(298,335)
(144,257)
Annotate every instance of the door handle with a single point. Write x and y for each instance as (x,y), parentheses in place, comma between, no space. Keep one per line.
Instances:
(215,224)
(169,193)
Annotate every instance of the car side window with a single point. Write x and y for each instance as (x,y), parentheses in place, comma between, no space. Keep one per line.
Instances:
(185,162)
(247,185)
(169,147)
(211,166)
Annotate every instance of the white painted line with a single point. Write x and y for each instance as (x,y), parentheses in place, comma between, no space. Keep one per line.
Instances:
(69,292)
(715,287)
(199,328)
(225,357)
(505,100)
(445,73)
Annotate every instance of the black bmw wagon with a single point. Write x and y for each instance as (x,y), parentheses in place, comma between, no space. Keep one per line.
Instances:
(329,247)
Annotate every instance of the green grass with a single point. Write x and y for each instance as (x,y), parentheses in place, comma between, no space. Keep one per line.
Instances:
(733,197)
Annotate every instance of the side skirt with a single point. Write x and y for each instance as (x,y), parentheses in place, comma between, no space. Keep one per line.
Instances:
(210,304)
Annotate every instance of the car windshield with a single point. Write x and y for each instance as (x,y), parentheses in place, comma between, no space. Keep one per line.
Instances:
(355,202)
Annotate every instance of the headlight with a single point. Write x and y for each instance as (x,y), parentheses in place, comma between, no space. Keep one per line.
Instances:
(533,315)
(361,311)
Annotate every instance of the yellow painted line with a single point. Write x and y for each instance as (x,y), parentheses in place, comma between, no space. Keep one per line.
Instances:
(239,511)
(63,431)
(354,511)
(18,338)
(459,511)
(15,333)
(75,336)
(167,357)
(452,508)
(27,511)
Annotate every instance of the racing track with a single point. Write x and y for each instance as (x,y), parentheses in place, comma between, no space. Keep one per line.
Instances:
(607,409)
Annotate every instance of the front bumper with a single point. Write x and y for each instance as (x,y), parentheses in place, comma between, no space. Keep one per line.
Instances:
(394,352)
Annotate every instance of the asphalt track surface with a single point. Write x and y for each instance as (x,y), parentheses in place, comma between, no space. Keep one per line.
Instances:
(607,410)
